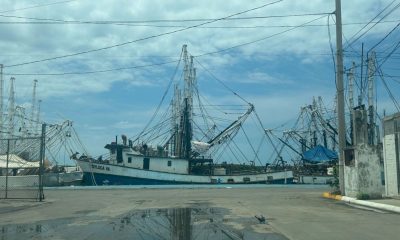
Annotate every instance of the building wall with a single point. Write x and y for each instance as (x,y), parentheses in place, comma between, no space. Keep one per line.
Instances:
(391,150)
(363,170)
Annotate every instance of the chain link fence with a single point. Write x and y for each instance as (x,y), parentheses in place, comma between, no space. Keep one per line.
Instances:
(21,168)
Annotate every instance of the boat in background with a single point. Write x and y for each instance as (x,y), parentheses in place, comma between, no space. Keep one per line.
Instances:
(182,154)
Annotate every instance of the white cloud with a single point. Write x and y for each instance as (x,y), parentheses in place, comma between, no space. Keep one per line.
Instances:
(259,64)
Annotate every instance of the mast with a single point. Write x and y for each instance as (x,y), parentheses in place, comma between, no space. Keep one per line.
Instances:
(1,101)
(33,125)
(185,128)
(38,116)
(176,113)
(371,110)
(340,94)
(351,98)
(11,109)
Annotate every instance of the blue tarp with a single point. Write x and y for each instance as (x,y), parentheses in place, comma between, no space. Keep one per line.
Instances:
(319,154)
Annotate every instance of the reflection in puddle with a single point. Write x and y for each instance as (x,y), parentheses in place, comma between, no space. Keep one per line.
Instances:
(176,224)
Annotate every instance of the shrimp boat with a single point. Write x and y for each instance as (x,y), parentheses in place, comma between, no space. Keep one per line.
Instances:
(182,153)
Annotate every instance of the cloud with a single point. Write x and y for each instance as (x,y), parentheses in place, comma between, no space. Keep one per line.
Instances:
(277,74)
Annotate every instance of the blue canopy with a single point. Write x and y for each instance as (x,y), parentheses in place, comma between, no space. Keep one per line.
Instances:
(319,154)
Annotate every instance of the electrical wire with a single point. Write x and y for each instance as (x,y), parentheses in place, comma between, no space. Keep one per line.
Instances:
(387,35)
(365,32)
(142,39)
(91,72)
(260,39)
(37,6)
(128,22)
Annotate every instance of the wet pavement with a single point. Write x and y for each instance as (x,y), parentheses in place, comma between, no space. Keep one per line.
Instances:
(151,224)
(228,212)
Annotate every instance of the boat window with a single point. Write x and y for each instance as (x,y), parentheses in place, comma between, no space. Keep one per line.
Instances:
(169,163)
(129,159)
(146,163)
(119,155)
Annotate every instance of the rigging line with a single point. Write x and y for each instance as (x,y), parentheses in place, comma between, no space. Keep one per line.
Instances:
(129,22)
(332,52)
(387,35)
(37,6)
(260,39)
(238,149)
(346,40)
(365,32)
(396,104)
(389,55)
(251,146)
(162,99)
(220,81)
(142,39)
(89,72)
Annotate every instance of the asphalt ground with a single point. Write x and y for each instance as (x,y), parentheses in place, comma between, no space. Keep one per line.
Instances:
(193,212)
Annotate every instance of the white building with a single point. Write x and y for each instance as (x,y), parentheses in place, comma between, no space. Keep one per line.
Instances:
(391,154)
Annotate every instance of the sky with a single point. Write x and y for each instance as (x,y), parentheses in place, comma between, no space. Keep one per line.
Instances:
(88,56)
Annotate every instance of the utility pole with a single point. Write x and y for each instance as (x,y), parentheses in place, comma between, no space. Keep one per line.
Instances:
(340,95)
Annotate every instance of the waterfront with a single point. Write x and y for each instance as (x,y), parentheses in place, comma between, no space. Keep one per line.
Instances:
(220,211)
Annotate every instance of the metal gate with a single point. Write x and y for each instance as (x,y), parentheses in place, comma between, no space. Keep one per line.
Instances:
(22,167)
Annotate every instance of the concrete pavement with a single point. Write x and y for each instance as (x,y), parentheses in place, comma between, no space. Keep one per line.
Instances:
(290,212)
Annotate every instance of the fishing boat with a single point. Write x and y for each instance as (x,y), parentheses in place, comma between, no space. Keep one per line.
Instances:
(183,152)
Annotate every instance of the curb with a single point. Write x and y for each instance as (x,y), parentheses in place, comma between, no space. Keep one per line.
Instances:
(380,206)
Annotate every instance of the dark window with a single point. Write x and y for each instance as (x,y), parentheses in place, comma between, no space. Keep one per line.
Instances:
(146,163)
(129,159)
(119,155)
(349,157)
(169,163)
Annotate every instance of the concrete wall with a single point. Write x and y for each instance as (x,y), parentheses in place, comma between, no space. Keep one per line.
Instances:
(391,151)
(363,170)
(20,181)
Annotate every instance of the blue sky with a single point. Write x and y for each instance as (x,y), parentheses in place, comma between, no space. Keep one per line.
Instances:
(278,75)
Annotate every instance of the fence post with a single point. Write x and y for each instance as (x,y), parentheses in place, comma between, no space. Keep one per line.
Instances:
(41,164)
(8,154)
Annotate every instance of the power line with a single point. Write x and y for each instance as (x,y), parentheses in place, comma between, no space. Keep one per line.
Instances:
(365,32)
(260,39)
(127,22)
(163,63)
(142,39)
(205,27)
(384,37)
(89,72)
(37,6)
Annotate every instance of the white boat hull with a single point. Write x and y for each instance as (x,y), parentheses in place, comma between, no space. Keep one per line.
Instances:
(108,174)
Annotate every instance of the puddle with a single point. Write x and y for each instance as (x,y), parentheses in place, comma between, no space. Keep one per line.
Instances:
(151,224)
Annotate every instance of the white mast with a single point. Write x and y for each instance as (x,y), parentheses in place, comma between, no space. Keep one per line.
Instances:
(351,86)
(33,125)
(371,83)
(1,101)
(11,108)
(351,98)
(37,117)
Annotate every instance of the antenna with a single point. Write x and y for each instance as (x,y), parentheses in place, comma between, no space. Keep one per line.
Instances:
(11,108)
